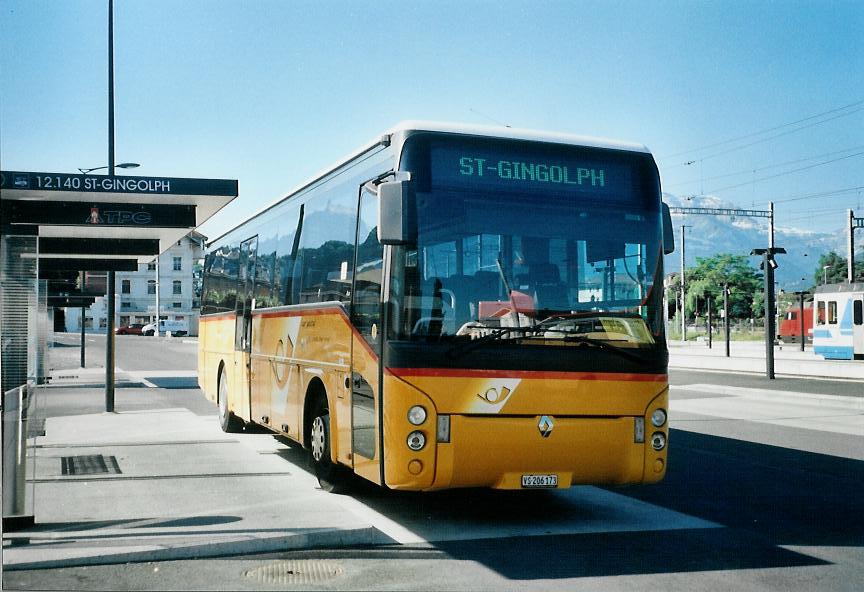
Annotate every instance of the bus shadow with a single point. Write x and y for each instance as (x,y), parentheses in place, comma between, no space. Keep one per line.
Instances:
(759,498)
(790,497)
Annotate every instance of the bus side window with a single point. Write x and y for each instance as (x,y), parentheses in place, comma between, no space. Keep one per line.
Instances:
(857,312)
(820,313)
(832,312)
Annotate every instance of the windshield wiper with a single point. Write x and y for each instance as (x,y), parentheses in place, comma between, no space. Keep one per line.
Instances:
(499,333)
(568,336)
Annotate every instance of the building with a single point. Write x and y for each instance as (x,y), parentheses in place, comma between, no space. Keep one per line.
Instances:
(179,289)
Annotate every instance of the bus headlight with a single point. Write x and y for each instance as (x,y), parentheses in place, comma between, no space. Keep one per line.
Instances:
(417,415)
(416,441)
(658,441)
(658,418)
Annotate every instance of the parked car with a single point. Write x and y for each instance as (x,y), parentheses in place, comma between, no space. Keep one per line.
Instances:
(133,329)
(177,328)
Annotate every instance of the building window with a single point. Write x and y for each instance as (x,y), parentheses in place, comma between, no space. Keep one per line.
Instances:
(151,266)
(178,305)
(178,287)
(151,286)
(125,305)
(126,287)
(178,263)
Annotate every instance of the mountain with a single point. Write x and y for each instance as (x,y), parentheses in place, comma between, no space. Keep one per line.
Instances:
(709,235)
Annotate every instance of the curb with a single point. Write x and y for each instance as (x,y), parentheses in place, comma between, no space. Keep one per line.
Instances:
(183,549)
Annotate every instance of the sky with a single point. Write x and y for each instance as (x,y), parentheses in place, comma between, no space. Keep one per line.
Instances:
(750,101)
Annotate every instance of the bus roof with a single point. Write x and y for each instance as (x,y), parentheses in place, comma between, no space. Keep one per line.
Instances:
(516,134)
(407,127)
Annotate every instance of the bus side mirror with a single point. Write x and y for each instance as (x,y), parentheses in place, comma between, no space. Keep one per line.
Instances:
(668,234)
(396,225)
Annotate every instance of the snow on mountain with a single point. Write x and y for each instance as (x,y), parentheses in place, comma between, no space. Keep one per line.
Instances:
(709,235)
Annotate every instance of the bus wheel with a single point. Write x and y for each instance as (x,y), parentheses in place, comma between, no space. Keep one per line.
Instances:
(331,477)
(227,419)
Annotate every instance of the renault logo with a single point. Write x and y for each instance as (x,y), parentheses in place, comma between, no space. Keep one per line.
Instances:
(545,425)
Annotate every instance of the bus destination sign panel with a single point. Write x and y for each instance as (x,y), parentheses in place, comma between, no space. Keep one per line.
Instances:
(478,169)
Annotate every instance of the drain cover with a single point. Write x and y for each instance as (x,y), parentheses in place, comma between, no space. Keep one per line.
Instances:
(93,464)
(295,571)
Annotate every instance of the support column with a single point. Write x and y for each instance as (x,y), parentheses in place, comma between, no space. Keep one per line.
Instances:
(726,315)
(109,345)
(850,247)
(683,309)
(83,341)
(769,315)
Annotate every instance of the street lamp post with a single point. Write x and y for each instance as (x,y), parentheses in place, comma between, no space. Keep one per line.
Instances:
(109,338)
(726,315)
(825,274)
(768,267)
(122,165)
(683,286)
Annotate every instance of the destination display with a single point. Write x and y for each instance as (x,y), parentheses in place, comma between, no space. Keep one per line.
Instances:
(34,181)
(477,168)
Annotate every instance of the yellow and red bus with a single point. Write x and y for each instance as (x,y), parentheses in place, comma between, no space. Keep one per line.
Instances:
(452,306)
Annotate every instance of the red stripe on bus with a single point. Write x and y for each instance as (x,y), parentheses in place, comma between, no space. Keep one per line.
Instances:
(527,374)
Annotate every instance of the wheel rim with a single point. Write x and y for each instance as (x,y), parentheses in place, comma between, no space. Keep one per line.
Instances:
(319,438)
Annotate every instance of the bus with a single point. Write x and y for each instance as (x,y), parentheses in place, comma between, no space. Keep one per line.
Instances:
(452,306)
(838,332)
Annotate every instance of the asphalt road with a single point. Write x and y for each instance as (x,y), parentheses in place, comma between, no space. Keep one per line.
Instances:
(763,492)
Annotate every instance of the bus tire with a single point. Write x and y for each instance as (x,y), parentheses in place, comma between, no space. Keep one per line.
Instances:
(331,477)
(227,420)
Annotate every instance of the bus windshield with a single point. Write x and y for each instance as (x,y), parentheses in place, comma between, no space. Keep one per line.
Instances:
(535,261)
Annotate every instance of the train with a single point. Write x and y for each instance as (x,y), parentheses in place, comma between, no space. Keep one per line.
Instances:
(838,332)
(789,330)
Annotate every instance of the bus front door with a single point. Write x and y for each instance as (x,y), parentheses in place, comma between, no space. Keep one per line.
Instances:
(366,341)
(243,328)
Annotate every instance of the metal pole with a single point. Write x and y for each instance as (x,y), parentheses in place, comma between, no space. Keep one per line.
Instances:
(726,315)
(683,315)
(109,347)
(850,248)
(109,337)
(158,299)
(710,332)
(83,316)
(801,316)
(770,224)
(769,315)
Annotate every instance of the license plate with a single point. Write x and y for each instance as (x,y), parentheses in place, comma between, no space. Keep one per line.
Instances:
(529,481)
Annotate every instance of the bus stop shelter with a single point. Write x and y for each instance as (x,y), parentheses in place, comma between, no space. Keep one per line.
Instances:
(54,226)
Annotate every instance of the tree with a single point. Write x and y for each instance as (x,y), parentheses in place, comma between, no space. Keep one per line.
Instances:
(708,278)
(836,272)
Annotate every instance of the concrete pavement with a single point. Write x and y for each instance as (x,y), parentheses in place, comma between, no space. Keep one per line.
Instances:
(749,356)
(167,483)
